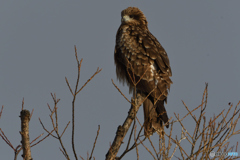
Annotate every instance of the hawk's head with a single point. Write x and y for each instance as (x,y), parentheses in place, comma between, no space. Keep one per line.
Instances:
(133,16)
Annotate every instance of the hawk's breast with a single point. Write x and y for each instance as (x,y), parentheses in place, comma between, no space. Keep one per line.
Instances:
(131,47)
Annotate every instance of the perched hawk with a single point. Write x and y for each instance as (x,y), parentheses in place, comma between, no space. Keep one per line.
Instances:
(140,57)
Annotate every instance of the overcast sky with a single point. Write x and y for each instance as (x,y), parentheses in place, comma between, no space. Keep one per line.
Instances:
(37,41)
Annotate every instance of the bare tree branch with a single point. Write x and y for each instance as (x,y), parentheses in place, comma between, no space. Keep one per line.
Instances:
(25,118)
(122,130)
(79,63)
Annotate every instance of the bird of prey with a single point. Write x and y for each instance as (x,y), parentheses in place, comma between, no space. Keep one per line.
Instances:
(141,58)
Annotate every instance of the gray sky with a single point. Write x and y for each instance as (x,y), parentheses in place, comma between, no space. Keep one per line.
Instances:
(37,52)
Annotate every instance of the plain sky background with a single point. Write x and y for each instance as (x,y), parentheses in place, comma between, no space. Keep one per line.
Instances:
(37,41)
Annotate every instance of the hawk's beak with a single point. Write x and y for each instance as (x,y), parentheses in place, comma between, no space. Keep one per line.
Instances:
(125,18)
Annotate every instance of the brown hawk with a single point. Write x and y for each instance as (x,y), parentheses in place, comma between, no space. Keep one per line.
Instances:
(140,57)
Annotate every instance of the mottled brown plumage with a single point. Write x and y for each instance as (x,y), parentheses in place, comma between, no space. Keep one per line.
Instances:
(140,57)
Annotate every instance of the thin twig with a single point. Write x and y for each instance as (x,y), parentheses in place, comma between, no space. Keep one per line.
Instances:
(120,91)
(69,85)
(95,142)
(42,139)
(148,150)
(46,129)
(36,138)
(98,71)
(63,153)
(65,129)
(4,137)
(1,111)
(23,103)
(135,139)
(31,113)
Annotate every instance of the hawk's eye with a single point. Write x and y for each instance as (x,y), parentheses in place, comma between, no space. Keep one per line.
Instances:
(131,16)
